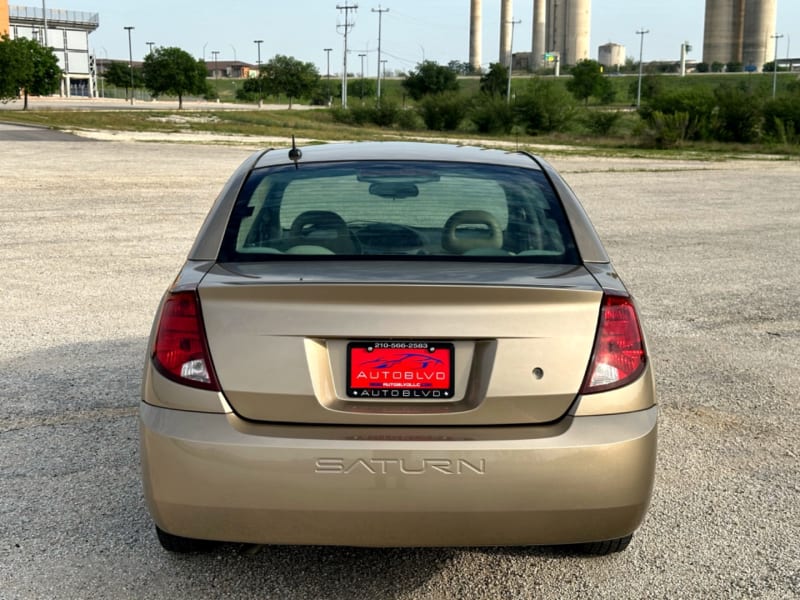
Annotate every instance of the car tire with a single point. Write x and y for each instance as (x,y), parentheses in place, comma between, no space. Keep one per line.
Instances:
(604,547)
(182,545)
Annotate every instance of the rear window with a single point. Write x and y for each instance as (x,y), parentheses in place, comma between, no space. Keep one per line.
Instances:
(409,210)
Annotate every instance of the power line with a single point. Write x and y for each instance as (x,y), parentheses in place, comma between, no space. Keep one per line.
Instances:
(346,30)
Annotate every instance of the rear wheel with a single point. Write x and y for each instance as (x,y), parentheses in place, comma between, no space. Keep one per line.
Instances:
(182,545)
(603,548)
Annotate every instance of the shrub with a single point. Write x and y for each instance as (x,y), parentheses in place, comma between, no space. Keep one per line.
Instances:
(667,130)
(698,104)
(543,106)
(385,113)
(782,120)
(600,123)
(738,115)
(442,112)
(491,114)
(408,120)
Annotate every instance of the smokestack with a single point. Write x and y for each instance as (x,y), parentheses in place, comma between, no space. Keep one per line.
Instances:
(539,27)
(506,16)
(475,26)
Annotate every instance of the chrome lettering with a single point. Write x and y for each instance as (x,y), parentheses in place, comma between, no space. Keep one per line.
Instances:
(400,466)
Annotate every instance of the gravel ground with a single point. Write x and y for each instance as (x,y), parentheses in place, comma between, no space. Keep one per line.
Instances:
(92,233)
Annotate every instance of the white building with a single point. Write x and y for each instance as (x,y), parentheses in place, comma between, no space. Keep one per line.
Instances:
(611,55)
(67,33)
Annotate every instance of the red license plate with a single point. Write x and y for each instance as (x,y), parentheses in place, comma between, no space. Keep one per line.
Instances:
(400,370)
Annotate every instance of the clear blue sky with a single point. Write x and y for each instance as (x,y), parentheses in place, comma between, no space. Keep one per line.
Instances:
(437,29)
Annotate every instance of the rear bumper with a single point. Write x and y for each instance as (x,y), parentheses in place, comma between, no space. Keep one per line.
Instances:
(214,476)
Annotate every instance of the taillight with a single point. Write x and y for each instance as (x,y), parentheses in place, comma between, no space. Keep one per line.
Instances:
(181,351)
(619,356)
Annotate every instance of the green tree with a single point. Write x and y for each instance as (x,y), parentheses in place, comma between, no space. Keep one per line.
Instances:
(118,74)
(495,81)
(588,80)
(176,72)
(289,76)
(27,66)
(430,78)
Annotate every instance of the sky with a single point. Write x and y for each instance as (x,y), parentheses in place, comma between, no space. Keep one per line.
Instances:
(412,30)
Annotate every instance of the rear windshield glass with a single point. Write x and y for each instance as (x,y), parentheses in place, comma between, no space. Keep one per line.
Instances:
(413,210)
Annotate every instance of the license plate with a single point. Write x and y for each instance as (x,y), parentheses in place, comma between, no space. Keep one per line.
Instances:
(400,370)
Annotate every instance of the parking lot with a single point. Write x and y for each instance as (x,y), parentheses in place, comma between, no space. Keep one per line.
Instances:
(91,233)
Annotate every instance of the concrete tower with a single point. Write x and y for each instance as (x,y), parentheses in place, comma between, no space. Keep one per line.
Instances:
(739,31)
(568,24)
(578,26)
(722,38)
(475,24)
(539,45)
(506,16)
(759,26)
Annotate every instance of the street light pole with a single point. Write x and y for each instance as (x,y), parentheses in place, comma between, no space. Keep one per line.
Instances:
(775,37)
(258,62)
(215,54)
(511,59)
(130,28)
(642,32)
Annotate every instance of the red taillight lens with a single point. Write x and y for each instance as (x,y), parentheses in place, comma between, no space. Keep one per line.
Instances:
(619,356)
(181,352)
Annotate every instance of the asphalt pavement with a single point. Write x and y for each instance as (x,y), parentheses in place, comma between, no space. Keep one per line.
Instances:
(92,233)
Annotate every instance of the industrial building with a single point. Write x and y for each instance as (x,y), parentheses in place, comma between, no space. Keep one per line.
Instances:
(67,33)
(611,55)
(740,31)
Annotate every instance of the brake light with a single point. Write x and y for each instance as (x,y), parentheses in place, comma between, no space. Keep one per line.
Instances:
(619,356)
(181,351)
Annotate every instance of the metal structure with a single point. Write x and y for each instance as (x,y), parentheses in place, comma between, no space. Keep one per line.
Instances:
(739,31)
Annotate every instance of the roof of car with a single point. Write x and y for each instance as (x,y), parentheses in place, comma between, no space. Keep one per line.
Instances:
(392,151)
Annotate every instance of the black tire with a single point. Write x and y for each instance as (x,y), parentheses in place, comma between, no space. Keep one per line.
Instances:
(182,545)
(603,548)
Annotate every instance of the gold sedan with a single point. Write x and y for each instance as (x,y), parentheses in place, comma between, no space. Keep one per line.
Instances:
(397,344)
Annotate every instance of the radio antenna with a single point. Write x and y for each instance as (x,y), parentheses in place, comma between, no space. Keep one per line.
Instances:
(295,154)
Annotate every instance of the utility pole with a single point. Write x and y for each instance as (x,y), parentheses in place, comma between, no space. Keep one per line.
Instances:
(346,30)
(775,37)
(328,77)
(511,58)
(150,45)
(642,32)
(129,28)
(380,12)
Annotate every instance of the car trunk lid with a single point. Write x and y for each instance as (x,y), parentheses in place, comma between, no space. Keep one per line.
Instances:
(280,334)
